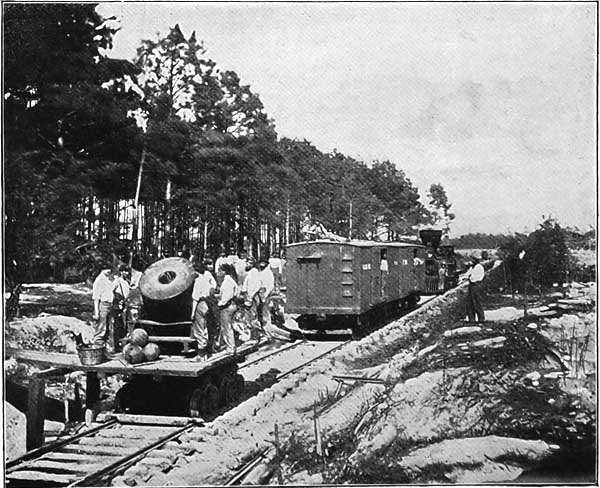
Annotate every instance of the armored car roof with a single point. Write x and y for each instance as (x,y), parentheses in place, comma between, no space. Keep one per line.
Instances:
(358,243)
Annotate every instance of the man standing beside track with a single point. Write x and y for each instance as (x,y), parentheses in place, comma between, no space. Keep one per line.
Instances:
(475,276)
(102,296)
(121,290)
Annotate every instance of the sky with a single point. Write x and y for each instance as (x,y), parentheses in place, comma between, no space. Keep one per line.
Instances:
(495,101)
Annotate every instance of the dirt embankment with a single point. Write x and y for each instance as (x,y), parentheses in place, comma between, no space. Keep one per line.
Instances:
(456,402)
(508,400)
(472,404)
(49,314)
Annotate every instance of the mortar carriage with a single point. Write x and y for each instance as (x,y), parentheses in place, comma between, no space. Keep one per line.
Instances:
(166,294)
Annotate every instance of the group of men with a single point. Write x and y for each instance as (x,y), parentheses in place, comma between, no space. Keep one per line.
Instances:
(241,285)
(231,304)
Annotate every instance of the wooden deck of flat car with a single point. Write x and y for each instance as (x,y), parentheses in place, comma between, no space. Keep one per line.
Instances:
(167,365)
(178,368)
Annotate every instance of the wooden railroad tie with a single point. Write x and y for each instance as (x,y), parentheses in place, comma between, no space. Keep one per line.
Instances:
(347,380)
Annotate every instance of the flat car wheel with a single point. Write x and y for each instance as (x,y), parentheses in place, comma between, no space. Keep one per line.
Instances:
(210,400)
(238,386)
(195,404)
(227,388)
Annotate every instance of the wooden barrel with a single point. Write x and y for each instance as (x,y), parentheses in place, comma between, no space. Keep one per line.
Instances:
(166,288)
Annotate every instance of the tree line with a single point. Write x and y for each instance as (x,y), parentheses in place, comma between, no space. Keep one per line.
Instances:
(163,154)
(543,260)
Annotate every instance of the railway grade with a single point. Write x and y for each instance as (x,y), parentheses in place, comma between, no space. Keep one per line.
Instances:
(90,456)
(94,456)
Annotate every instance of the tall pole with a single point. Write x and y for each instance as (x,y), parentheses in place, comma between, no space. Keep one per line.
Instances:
(350,222)
(168,237)
(205,244)
(134,233)
(139,180)
(287,223)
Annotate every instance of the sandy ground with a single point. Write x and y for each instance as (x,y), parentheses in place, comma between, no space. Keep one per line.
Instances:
(404,354)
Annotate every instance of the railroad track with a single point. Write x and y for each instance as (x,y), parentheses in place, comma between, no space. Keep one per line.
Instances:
(272,353)
(96,455)
(90,457)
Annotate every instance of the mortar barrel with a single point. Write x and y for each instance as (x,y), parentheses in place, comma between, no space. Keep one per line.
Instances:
(166,288)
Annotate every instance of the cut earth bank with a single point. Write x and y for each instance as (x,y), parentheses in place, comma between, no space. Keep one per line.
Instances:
(511,399)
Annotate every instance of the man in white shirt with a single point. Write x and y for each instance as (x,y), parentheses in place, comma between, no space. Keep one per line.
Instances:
(475,277)
(276,265)
(212,321)
(201,293)
(227,307)
(102,296)
(267,283)
(249,290)
(232,258)
(207,266)
(251,283)
(121,291)
(240,268)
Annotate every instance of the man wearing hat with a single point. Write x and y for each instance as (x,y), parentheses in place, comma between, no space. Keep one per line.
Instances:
(221,260)
(201,316)
(213,316)
(475,277)
(266,285)
(250,288)
(121,291)
(102,297)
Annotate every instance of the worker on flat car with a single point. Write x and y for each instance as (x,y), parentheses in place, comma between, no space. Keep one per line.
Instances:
(266,286)
(250,289)
(241,266)
(222,259)
(201,293)
(213,316)
(228,293)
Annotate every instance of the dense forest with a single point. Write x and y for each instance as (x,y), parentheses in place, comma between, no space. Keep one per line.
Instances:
(574,238)
(162,155)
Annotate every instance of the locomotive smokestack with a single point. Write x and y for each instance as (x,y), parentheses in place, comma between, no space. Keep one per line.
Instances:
(431,237)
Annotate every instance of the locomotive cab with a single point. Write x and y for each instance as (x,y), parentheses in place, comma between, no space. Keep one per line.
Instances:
(440,266)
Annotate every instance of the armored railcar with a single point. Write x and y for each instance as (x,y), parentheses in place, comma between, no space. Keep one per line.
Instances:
(353,284)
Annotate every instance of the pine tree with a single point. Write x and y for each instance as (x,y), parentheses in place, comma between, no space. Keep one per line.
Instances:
(67,132)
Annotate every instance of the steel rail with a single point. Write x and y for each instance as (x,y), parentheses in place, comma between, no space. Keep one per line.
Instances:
(272,353)
(36,453)
(256,460)
(293,370)
(126,461)
(247,467)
